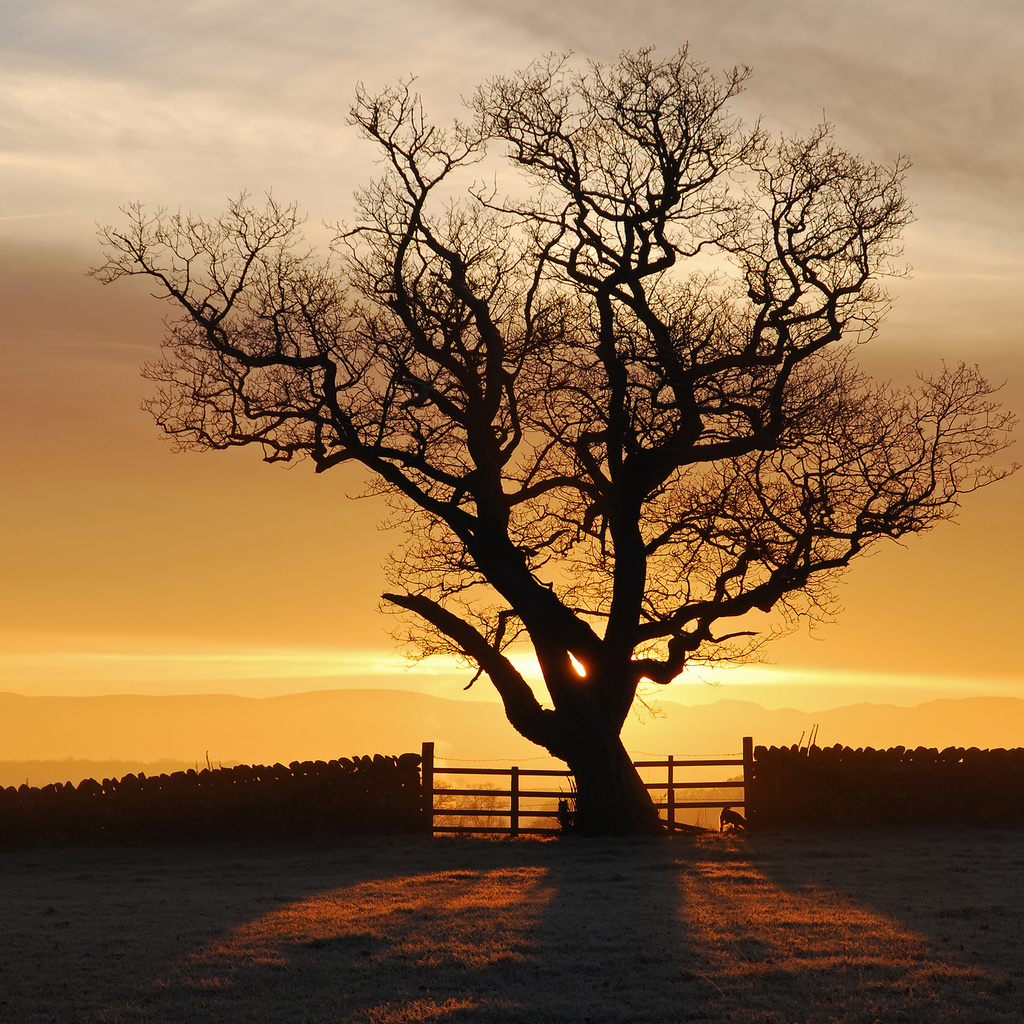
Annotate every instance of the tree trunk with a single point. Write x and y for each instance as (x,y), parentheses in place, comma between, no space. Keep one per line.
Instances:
(611,799)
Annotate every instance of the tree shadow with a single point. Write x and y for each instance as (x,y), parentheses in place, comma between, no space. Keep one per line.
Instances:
(613,945)
(573,931)
(89,931)
(848,927)
(758,928)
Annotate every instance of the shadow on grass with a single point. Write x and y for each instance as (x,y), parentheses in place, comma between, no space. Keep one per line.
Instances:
(849,926)
(87,930)
(482,931)
(749,928)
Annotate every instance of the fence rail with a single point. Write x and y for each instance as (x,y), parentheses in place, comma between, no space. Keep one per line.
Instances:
(526,820)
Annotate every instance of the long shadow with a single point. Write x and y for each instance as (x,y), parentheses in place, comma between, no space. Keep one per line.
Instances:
(90,934)
(457,931)
(766,928)
(862,926)
(613,944)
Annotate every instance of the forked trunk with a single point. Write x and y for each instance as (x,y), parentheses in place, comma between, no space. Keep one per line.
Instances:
(611,799)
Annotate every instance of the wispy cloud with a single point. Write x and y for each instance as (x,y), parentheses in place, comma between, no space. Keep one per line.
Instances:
(144,668)
(33,216)
(59,667)
(208,662)
(199,100)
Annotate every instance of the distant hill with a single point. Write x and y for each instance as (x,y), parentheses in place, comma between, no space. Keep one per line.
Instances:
(964,722)
(319,724)
(140,730)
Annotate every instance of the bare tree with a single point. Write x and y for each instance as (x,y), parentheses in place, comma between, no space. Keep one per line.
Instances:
(617,412)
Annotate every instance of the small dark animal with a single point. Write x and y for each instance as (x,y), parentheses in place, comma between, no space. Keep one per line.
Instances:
(732,819)
(565,816)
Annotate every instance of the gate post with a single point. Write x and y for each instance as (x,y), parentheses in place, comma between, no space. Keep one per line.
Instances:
(427,785)
(670,798)
(513,810)
(748,773)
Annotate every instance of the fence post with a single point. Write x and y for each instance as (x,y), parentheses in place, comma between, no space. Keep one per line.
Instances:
(748,772)
(513,819)
(670,798)
(427,783)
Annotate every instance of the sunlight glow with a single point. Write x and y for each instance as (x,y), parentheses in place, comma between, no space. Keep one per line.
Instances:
(756,932)
(439,933)
(80,665)
(68,664)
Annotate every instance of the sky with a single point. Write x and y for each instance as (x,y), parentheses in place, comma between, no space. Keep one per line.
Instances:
(127,568)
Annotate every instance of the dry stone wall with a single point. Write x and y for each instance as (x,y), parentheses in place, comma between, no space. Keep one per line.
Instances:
(835,786)
(377,794)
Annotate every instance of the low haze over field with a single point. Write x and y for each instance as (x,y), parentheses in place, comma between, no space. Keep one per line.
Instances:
(129,569)
(46,739)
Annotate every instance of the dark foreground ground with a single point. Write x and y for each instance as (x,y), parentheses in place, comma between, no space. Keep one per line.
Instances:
(915,925)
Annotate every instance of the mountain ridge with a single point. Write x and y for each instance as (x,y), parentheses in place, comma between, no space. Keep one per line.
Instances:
(325,724)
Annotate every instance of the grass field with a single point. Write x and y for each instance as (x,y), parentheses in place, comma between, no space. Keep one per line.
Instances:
(914,925)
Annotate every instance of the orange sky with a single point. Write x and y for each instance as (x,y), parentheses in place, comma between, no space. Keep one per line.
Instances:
(127,568)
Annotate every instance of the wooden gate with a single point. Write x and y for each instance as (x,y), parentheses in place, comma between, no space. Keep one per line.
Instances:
(529,809)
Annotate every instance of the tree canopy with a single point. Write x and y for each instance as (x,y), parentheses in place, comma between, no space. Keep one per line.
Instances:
(615,404)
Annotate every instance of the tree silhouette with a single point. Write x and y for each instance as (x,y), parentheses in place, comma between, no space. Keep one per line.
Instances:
(617,411)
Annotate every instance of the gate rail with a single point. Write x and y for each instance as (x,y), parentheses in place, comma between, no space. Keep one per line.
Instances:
(515,793)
